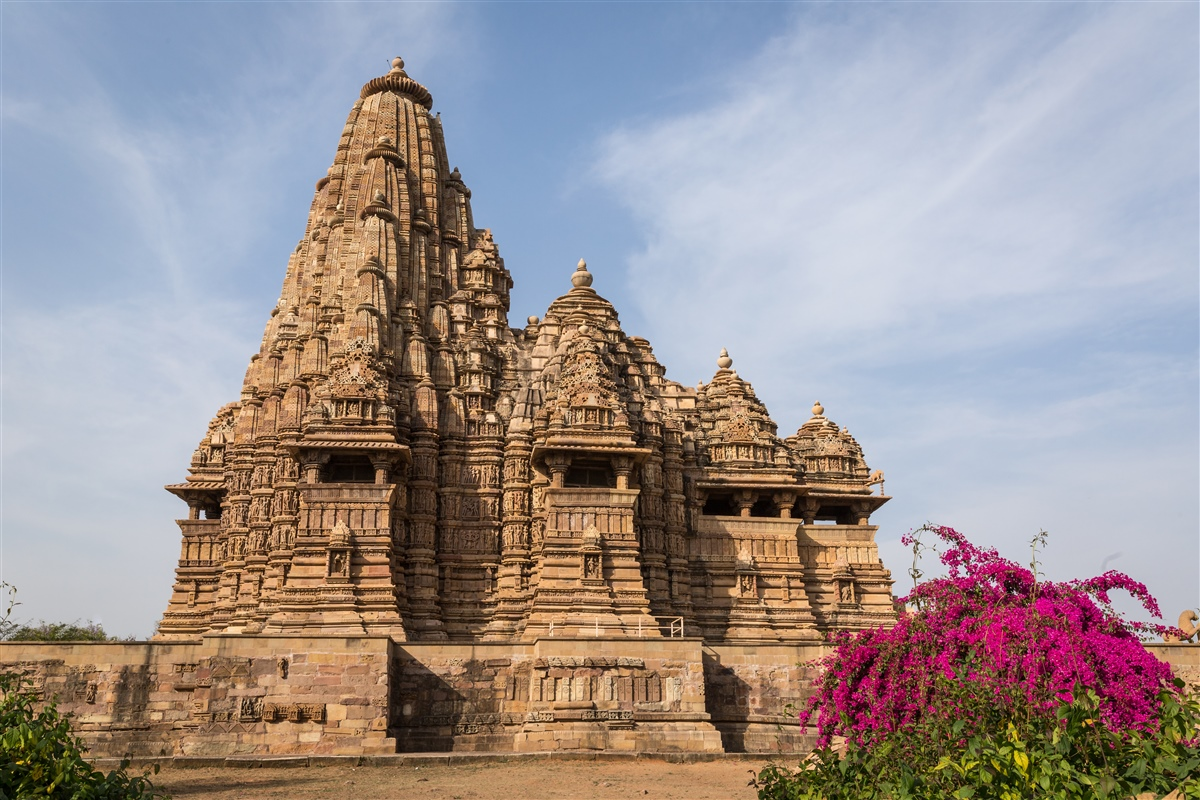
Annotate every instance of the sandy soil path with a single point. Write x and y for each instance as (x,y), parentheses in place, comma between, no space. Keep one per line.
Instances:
(511,780)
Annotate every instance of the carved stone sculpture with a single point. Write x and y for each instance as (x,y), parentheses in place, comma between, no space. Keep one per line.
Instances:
(498,480)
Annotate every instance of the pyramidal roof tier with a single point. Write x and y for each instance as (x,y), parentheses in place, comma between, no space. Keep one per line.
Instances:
(402,462)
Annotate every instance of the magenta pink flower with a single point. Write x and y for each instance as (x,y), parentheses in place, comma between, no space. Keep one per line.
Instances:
(992,629)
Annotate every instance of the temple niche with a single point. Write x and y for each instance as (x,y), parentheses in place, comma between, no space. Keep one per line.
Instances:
(404,462)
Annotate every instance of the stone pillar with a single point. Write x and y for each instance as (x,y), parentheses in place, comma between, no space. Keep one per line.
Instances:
(784,502)
(744,500)
(558,464)
(511,592)
(424,609)
(676,522)
(653,526)
(235,523)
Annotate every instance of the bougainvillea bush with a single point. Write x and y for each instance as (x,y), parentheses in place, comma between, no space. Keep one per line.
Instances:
(994,683)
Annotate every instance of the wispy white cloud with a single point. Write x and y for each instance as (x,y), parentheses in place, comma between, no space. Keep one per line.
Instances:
(971,231)
(869,167)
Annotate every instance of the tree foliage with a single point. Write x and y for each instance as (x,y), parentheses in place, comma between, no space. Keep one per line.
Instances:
(996,684)
(44,631)
(41,757)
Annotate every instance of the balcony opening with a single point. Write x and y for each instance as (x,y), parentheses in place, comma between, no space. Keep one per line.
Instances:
(350,469)
(720,504)
(834,515)
(764,507)
(589,475)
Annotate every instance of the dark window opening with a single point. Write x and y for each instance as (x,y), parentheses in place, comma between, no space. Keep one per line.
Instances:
(834,515)
(764,507)
(589,476)
(719,505)
(350,469)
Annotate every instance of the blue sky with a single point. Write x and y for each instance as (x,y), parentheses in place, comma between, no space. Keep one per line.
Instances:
(970,230)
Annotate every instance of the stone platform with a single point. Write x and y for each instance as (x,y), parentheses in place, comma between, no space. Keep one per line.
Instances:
(238,697)
(228,696)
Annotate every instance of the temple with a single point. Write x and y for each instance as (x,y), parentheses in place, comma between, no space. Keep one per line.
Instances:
(403,462)
(422,529)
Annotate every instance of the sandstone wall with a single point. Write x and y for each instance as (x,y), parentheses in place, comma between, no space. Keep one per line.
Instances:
(274,695)
(221,696)
(755,691)
(553,694)
(1184,658)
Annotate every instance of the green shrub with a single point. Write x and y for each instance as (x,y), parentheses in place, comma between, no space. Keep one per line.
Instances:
(1072,756)
(59,632)
(40,757)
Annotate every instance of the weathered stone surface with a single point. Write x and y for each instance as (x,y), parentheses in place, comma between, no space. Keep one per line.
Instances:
(1184,660)
(216,697)
(229,696)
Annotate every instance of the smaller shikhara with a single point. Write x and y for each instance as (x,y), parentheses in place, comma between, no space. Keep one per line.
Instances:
(403,462)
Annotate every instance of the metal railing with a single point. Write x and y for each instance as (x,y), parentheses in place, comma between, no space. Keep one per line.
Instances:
(674,627)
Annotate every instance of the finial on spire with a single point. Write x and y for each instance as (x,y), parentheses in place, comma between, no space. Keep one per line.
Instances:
(581,279)
(397,80)
(724,361)
(818,409)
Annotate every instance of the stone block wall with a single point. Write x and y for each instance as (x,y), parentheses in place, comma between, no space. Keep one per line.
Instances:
(754,692)
(246,695)
(1184,658)
(554,694)
(218,697)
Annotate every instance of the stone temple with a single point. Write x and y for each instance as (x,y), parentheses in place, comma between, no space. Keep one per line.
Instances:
(421,528)
(403,462)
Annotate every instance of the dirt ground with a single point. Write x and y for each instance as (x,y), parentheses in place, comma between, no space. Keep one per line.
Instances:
(506,780)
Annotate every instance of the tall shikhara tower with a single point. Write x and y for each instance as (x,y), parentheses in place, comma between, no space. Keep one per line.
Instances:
(403,462)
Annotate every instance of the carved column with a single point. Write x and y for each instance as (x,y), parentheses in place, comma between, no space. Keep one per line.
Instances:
(422,575)
(512,595)
(653,525)
(284,510)
(262,492)
(453,496)
(558,464)
(744,500)
(784,502)
(236,525)
(676,522)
